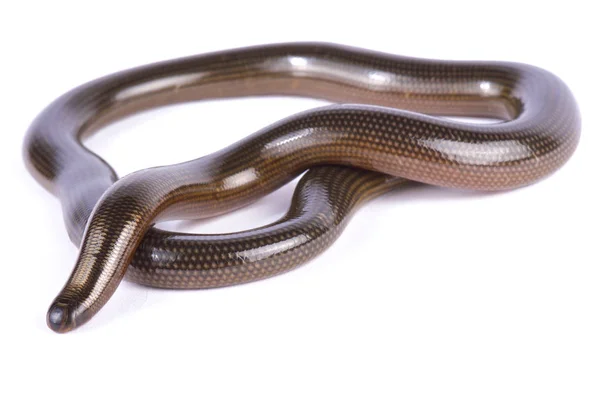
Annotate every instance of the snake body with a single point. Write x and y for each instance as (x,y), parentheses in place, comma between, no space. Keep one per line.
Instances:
(382,135)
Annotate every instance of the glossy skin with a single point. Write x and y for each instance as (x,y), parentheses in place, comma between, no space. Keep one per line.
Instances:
(540,132)
(322,205)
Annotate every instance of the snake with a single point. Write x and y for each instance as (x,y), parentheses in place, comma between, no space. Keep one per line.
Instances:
(387,124)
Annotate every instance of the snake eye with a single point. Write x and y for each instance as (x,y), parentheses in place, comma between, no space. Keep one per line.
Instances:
(59,318)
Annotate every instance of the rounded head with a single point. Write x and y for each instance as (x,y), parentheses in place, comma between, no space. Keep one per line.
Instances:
(60,317)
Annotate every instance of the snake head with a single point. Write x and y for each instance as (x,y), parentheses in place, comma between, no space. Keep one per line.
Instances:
(61,317)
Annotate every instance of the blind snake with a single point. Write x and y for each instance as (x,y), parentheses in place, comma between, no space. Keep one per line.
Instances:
(386,127)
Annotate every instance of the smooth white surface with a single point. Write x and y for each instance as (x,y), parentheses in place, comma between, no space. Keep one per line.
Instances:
(428,294)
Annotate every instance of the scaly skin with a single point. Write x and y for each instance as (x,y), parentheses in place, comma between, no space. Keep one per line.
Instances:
(381,132)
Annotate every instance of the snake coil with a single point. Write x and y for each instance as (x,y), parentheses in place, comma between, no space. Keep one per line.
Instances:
(382,135)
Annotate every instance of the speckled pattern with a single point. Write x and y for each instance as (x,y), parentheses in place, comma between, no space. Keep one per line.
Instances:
(389,129)
(321,206)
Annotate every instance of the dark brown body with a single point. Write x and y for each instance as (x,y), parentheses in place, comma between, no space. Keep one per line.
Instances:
(540,133)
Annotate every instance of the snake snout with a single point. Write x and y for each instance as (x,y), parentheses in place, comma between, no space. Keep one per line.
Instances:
(60,317)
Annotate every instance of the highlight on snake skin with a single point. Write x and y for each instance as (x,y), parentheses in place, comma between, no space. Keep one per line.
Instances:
(386,126)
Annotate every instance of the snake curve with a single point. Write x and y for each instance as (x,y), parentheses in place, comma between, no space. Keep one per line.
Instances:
(380,132)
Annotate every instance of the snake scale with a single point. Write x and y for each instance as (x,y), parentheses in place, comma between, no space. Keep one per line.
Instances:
(386,126)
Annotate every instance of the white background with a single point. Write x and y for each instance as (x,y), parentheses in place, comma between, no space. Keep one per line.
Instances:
(428,294)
